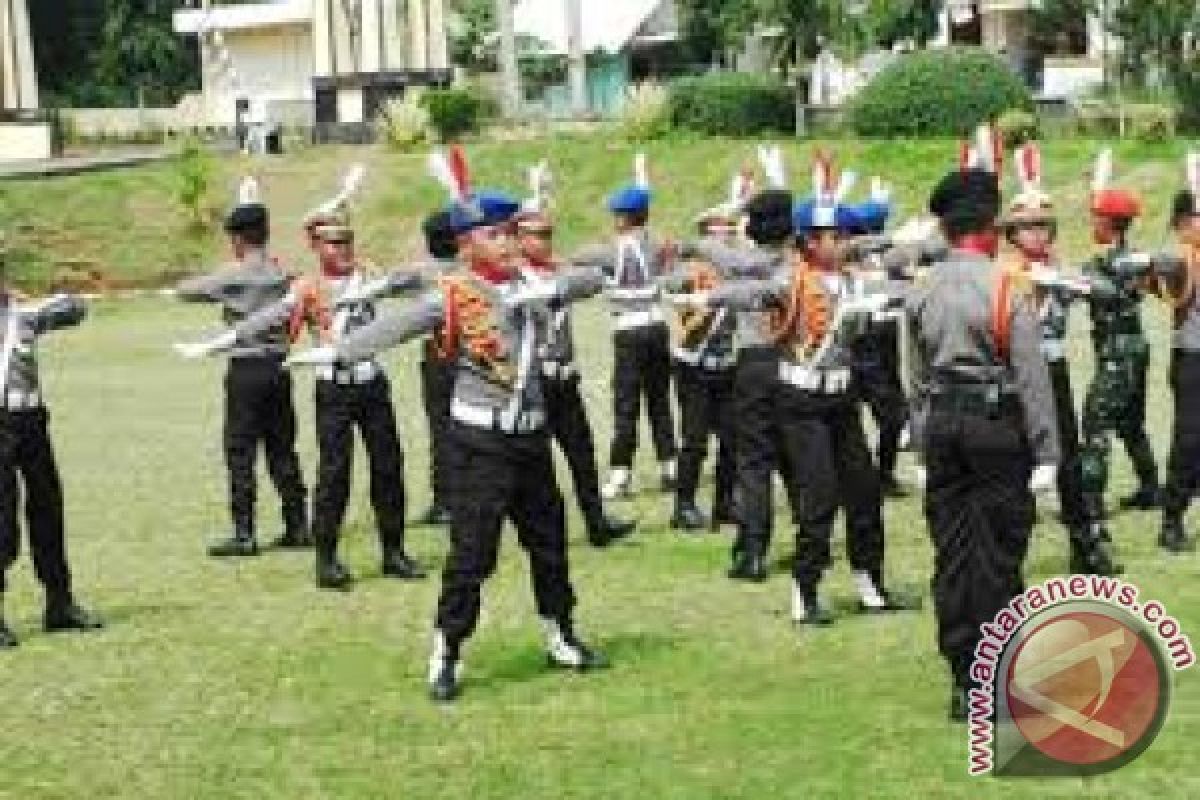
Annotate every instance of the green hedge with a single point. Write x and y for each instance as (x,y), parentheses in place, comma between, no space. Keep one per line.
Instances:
(943,92)
(732,104)
(452,112)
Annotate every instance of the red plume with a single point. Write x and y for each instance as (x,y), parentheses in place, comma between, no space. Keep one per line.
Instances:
(964,156)
(998,149)
(458,166)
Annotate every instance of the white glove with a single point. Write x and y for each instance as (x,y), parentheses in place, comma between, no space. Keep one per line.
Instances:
(316,357)
(532,293)
(697,300)
(1043,478)
(920,476)
(194,350)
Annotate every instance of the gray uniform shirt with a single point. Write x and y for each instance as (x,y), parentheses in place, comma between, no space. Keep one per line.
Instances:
(26,325)
(242,290)
(521,331)
(951,338)
(632,263)
(557,349)
(739,263)
(1172,272)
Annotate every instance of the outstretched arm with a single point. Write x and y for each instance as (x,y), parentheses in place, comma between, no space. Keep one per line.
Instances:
(204,289)
(392,328)
(60,311)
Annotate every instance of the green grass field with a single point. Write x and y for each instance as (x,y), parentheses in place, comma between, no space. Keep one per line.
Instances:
(241,680)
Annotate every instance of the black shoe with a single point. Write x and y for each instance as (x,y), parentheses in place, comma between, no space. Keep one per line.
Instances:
(443,688)
(1174,538)
(8,639)
(892,601)
(1146,498)
(1090,552)
(607,530)
(568,652)
(436,515)
(332,575)
(68,616)
(397,564)
(296,531)
(890,487)
(749,565)
(958,703)
(240,545)
(688,518)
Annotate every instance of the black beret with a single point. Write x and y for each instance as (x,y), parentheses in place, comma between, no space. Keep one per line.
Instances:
(966,200)
(769,216)
(440,234)
(247,217)
(1184,206)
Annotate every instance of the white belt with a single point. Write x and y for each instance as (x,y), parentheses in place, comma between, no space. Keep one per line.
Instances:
(633,293)
(638,319)
(559,372)
(1054,349)
(496,420)
(360,373)
(709,363)
(17,400)
(822,381)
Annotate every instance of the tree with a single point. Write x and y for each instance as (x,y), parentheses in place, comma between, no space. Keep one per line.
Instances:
(1152,33)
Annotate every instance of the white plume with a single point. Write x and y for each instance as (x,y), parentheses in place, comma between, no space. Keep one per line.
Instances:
(771,159)
(249,191)
(641,174)
(1102,171)
(439,168)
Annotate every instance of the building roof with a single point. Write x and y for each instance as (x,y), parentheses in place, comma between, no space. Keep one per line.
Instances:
(608,25)
(242,17)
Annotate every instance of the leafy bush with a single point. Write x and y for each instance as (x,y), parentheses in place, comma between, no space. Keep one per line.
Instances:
(645,114)
(1187,90)
(732,104)
(404,124)
(193,178)
(452,112)
(942,92)
(1151,122)
(1018,127)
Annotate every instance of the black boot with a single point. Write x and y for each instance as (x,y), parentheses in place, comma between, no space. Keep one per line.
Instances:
(443,683)
(437,514)
(749,563)
(807,608)
(1174,538)
(296,532)
(603,530)
(1146,498)
(64,614)
(875,599)
(688,518)
(331,574)
(397,564)
(565,650)
(1090,552)
(241,545)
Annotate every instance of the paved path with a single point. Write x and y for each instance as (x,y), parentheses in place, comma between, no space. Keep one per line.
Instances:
(73,165)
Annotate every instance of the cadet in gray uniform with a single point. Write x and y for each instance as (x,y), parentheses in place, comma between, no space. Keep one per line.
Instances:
(502,463)
(984,414)
(258,392)
(1179,284)
(26,451)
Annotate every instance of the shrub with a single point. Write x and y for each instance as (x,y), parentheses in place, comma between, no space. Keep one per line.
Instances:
(1017,127)
(732,104)
(645,114)
(941,92)
(452,112)
(1151,122)
(1187,91)
(403,123)
(193,177)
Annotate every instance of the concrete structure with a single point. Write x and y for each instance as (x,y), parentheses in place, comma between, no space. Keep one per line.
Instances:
(327,63)
(24,134)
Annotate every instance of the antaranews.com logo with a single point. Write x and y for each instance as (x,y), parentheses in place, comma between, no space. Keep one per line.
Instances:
(1073,677)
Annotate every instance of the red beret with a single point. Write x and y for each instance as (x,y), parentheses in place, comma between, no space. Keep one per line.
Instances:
(1115,203)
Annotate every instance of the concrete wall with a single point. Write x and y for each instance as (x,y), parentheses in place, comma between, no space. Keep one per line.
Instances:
(274,66)
(21,141)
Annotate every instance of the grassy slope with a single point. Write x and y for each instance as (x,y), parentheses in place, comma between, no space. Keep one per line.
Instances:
(240,680)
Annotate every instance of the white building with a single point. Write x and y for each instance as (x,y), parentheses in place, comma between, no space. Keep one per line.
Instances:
(316,62)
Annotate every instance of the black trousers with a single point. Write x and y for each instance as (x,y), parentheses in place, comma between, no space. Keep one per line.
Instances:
(980,513)
(25,450)
(641,368)
(705,408)
(501,477)
(1183,464)
(437,387)
(258,409)
(877,373)
(1070,470)
(567,420)
(827,465)
(341,409)
(756,448)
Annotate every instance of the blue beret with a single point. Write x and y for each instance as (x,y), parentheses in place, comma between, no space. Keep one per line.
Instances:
(486,207)
(808,216)
(630,200)
(874,215)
